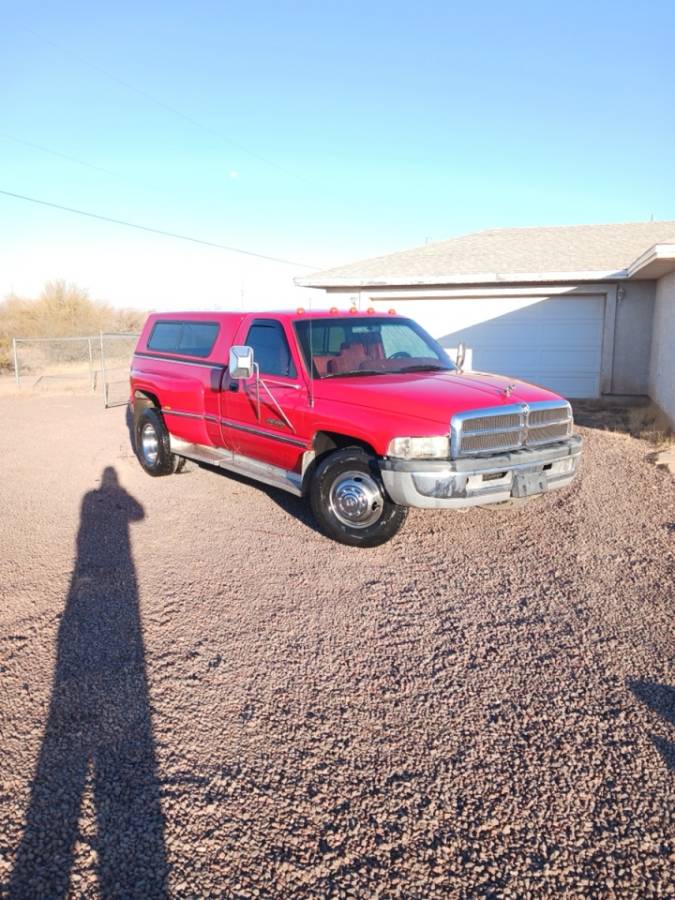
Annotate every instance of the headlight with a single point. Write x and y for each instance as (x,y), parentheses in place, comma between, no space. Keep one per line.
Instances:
(436,447)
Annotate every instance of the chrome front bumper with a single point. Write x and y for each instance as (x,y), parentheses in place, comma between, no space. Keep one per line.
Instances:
(457,483)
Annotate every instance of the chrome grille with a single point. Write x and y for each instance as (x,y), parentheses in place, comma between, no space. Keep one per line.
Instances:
(492,423)
(489,443)
(503,428)
(547,434)
(550,416)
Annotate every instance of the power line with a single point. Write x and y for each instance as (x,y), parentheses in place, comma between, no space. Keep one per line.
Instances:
(166,106)
(74,159)
(182,237)
(80,162)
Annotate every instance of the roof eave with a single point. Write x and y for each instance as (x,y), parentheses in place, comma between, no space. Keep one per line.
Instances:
(655,262)
(318,281)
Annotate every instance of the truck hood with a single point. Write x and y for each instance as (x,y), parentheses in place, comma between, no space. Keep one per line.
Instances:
(434,396)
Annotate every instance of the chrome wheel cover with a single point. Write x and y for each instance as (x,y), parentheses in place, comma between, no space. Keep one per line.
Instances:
(149,444)
(356,499)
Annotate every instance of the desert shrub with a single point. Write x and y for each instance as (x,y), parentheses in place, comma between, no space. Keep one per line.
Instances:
(61,310)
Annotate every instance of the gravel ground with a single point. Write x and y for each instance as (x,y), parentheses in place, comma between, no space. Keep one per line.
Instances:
(201,696)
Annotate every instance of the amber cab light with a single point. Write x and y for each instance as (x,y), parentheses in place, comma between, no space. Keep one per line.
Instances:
(353,311)
(392,312)
(300,310)
(333,310)
(371,311)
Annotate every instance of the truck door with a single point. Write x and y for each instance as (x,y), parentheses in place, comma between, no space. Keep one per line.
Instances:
(263,419)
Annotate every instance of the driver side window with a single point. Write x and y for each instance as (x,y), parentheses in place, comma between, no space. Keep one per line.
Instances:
(270,348)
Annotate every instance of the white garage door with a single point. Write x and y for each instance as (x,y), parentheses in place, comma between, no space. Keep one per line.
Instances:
(553,341)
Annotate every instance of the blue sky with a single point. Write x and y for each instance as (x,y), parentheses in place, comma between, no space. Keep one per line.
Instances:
(320,132)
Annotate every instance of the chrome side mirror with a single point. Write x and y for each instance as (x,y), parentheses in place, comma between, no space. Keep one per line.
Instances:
(461,354)
(241,362)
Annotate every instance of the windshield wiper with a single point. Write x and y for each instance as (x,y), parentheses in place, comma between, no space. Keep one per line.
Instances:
(425,368)
(353,374)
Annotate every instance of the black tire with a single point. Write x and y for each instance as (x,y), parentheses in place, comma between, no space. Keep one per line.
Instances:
(349,502)
(160,460)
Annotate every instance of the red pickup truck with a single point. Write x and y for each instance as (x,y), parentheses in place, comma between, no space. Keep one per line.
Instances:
(363,413)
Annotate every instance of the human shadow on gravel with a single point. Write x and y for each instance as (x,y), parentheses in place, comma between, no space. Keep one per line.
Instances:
(660,698)
(99,729)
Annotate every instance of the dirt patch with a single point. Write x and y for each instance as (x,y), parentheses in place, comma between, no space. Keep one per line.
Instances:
(202,696)
(640,420)
(665,459)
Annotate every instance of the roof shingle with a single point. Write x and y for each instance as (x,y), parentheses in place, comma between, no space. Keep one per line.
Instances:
(500,253)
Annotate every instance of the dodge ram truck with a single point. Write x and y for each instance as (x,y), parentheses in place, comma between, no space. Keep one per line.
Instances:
(363,413)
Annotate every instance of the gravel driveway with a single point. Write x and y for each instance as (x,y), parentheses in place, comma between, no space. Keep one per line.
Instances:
(201,696)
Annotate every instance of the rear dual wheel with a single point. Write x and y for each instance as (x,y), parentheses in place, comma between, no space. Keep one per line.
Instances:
(349,501)
(153,446)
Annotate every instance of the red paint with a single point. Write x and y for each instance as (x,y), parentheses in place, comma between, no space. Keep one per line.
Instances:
(371,408)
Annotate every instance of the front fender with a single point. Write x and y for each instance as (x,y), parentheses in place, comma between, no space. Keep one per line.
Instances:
(371,426)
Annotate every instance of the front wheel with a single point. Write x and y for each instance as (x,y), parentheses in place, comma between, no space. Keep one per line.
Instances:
(349,501)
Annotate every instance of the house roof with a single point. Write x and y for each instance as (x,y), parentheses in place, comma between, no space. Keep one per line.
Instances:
(560,253)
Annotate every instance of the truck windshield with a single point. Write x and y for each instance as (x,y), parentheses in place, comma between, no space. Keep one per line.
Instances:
(342,347)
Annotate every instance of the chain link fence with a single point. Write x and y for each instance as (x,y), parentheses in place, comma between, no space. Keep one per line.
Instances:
(116,351)
(39,361)
(98,363)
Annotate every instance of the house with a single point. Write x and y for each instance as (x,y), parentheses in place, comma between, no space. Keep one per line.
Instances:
(587,310)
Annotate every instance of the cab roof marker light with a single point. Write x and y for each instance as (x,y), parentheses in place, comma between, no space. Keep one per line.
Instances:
(353,311)
(371,310)
(300,311)
(333,310)
(392,312)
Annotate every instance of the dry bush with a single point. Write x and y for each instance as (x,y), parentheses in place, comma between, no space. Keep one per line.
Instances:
(61,310)
(650,424)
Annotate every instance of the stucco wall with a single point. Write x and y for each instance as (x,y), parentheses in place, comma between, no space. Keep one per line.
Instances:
(633,338)
(662,369)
